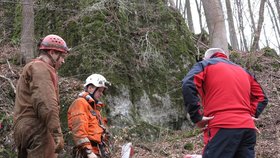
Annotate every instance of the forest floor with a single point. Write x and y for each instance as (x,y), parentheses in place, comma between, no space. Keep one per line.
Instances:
(173,144)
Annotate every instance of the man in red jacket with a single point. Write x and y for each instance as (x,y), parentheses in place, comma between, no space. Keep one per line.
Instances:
(231,100)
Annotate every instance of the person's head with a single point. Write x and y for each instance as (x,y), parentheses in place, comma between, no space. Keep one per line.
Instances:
(55,48)
(95,85)
(212,51)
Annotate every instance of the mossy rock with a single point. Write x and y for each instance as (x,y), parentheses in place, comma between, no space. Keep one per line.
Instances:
(146,48)
(189,146)
(269,52)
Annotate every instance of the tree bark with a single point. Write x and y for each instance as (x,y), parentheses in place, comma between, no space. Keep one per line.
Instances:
(266,39)
(172,4)
(241,27)
(189,15)
(180,6)
(216,24)
(253,26)
(232,33)
(277,7)
(27,32)
(251,16)
(198,6)
(274,21)
(255,44)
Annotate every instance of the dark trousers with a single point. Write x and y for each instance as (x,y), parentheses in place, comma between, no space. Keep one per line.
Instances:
(231,143)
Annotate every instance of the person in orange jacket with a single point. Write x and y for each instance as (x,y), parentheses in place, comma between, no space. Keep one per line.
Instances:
(85,120)
(37,129)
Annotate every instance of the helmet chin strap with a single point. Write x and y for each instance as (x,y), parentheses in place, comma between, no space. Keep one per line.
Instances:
(53,61)
(51,58)
(92,95)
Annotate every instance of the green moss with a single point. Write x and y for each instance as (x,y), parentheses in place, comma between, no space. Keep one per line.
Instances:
(144,48)
(187,134)
(275,65)
(145,131)
(269,52)
(191,133)
(189,146)
(17,25)
(8,16)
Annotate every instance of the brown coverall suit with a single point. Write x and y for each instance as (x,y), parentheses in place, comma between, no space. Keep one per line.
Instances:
(36,111)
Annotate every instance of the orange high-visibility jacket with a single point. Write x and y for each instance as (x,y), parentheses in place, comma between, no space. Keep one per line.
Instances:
(84,121)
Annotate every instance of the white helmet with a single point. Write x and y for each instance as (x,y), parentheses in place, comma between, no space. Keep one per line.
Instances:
(210,52)
(97,80)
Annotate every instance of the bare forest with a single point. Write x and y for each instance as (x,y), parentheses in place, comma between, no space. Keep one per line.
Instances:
(145,47)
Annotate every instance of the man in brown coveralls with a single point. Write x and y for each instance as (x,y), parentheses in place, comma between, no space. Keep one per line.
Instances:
(37,130)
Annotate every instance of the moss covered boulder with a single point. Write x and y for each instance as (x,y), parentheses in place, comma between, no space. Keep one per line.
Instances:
(144,49)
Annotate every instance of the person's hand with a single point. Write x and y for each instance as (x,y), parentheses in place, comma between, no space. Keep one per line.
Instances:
(89,153)
(92,155)
(256,119)
(58,139)
(59,143)
(204,121)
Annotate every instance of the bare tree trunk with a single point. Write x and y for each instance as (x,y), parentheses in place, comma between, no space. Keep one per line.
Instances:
(255,45)
(277,6)
(274,21)
(266,40)
(216,24)
(189,15)
(232,33)
(241,27)
(180,6)
(253,27)
(27,32)
(184,11)
(274,17)
(251,16)
(172,4)
(198,6)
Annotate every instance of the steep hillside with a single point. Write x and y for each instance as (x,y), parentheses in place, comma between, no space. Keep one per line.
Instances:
(155,141)
(144,49)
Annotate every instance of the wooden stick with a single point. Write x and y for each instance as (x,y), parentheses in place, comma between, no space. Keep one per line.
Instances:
(10,81)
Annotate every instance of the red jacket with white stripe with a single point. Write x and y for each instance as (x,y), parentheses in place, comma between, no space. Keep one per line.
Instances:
(223,90)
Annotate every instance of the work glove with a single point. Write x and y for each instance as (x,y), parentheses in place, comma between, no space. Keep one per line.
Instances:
(89,153)
(92,155)
(58,140)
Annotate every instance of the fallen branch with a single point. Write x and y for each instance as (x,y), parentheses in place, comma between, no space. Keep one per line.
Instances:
(143,147)
(10,81)
(10,66)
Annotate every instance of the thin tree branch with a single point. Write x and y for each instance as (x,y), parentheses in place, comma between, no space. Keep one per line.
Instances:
(10,67)
(10,81)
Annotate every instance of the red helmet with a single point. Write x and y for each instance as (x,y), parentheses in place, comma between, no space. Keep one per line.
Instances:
(54,42)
